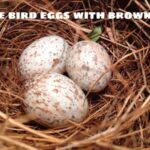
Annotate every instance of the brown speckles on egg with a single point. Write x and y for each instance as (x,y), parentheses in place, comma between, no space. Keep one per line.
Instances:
(57,80)
(95,59)
(85,67)
(45,54)
(86,63)
(37,93)
(56,105)
(73,117)
(35,53)
(81,97)
(69,98)
(55,62)
(45,110)
(76,91)
(55,90)
(54,99)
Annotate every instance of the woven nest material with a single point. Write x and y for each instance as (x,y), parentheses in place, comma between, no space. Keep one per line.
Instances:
(119,116)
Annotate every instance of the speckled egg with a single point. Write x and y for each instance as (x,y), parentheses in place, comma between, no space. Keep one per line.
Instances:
(54,100)
(88,65)
(43,55)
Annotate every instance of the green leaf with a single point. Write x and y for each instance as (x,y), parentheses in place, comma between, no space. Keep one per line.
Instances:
(95,34)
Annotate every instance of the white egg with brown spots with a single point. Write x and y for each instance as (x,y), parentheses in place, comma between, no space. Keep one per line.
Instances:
(88,65)
(54,100)
(47,54)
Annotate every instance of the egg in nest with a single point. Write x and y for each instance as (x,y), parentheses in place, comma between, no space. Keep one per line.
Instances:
(44,55)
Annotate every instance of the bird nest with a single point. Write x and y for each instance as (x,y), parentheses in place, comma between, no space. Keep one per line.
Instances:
(119,116)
